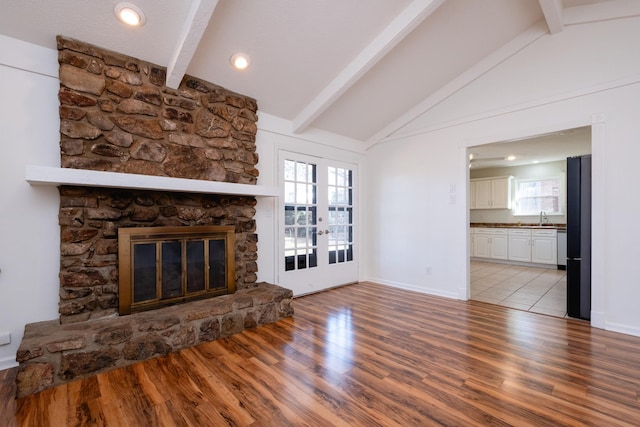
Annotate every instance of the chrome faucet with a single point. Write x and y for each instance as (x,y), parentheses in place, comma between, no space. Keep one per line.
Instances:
(543,216)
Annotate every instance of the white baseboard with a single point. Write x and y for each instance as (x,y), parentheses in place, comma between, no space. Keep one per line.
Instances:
(623,329)
(598,319)
(414,288)
(8,362)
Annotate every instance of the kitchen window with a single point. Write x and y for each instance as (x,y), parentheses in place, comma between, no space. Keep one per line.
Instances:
(536,195)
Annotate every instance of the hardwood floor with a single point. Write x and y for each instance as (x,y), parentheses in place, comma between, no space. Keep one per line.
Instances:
(366,355)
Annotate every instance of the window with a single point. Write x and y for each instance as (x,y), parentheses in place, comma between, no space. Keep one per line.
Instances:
(536,195)
(340,215)
(300,219)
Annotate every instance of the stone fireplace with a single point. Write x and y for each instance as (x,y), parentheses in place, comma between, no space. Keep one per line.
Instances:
(117,116)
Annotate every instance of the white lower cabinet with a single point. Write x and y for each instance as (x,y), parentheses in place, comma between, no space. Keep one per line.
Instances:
(491,243)
(520,245)
(481,245)
(537,246)
(472,242)
(544,246)
(499,246)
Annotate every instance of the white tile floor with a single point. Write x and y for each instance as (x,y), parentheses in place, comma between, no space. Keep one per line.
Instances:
(535,289)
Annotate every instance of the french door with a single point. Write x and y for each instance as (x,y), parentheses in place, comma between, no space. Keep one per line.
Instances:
(317,223)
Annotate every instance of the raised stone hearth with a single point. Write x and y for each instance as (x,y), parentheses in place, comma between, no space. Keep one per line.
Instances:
(52,354)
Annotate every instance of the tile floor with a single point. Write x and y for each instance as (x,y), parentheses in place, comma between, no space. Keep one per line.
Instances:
(535,289)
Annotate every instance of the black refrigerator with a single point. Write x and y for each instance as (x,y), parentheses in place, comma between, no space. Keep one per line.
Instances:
(579,237)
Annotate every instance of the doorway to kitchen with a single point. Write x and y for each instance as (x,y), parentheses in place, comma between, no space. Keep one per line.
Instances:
(514,257)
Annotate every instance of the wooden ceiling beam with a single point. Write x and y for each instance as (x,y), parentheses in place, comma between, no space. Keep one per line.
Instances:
(192,30)
(552,10)
(610,10)
(393,34)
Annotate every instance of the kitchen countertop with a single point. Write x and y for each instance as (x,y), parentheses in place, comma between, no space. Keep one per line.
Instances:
(516,225)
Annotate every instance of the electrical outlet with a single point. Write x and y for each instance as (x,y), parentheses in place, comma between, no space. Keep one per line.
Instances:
(428,271)
(5,338)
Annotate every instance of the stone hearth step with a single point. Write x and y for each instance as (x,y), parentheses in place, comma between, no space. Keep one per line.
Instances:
(52,353)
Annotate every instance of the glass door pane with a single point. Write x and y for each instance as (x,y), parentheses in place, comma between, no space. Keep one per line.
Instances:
(144,272)
(340,218)
(217,257)
(171,269)
(300,215)
(195,266)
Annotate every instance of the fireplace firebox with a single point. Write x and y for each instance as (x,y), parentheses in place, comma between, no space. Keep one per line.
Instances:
(160,266)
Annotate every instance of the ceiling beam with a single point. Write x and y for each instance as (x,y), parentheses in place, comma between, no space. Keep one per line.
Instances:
(393,34)
(614,9)
(192,30)
(552,10)
(503,53)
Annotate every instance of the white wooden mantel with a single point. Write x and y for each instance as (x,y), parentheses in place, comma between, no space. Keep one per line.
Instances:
(54,176)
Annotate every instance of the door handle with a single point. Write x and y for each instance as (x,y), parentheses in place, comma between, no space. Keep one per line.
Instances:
(320,233)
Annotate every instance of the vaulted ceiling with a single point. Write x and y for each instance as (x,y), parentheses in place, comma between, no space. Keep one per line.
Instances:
(362,69)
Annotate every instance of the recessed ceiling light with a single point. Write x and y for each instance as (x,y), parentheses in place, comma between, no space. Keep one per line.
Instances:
(511,157)
(240,61)
(129,14)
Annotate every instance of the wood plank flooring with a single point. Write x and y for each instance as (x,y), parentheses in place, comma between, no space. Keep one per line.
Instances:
(366,355)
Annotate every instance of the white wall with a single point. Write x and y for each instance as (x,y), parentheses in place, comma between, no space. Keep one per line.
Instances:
(416,226)
(29,232)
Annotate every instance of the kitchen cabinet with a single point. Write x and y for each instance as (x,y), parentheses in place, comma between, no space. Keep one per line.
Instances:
(520,245)
(530,245)
(472,194)
(490,243)
(490,193)
(544,249)
(472,236)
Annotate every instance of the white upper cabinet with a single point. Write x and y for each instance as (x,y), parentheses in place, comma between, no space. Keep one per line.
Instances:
(483,194)
(491,193)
